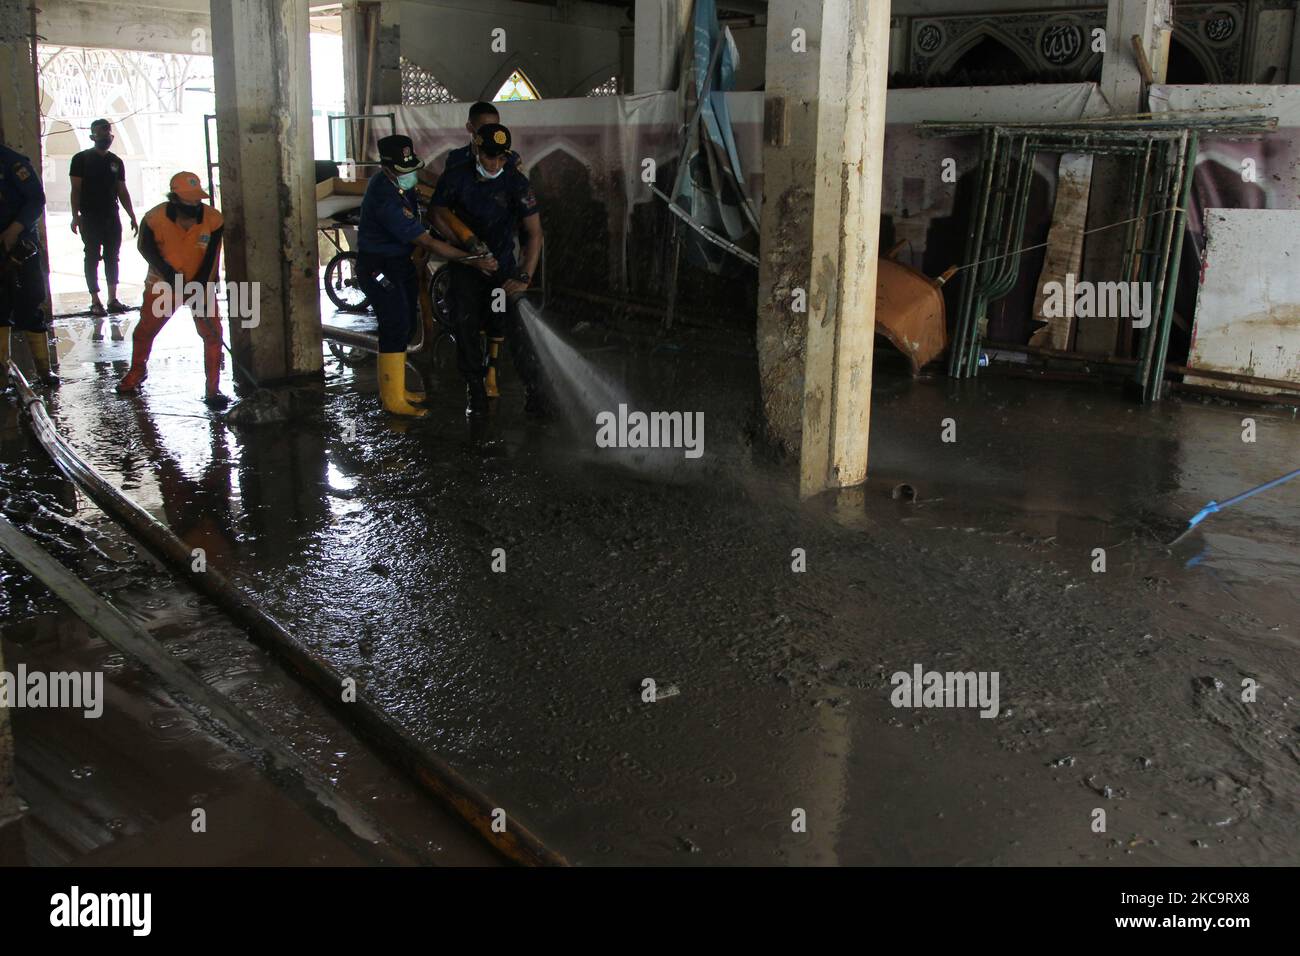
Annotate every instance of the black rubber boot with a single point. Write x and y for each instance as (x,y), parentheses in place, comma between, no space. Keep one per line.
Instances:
(477,399)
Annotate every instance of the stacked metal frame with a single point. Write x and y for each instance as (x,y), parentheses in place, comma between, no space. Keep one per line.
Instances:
(1160,153)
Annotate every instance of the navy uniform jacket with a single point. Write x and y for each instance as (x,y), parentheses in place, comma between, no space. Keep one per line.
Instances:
(21,195)
(491,208)
(390,219)
(464,156)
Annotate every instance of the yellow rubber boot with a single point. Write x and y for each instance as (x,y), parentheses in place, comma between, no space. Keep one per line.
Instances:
(392,385)
(38,343)
(490,382)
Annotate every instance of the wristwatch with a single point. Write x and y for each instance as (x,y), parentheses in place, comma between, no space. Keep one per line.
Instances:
(523,277)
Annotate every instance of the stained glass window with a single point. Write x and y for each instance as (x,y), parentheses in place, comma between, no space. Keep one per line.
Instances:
(516,87)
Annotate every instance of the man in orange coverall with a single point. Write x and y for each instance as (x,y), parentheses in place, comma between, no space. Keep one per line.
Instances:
(180,240)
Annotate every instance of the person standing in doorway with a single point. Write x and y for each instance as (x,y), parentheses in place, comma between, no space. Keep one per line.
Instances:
(98,186)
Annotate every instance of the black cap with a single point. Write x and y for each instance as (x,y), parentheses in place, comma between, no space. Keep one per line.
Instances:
(492,139)
(398,153)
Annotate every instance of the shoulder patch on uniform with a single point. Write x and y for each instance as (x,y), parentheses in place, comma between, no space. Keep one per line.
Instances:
(20,170)
(407,213)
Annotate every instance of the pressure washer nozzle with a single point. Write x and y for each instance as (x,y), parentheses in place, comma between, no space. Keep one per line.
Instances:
(1197,518)
(1201,515)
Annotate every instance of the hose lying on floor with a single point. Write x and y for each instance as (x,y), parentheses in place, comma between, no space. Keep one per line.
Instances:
(431,774)
(1216,506)
(205,703)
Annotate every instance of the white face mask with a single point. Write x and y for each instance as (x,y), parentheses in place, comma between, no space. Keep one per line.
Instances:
(485,174)
(407,180)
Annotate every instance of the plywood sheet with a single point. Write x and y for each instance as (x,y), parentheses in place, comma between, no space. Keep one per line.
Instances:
(1248,301)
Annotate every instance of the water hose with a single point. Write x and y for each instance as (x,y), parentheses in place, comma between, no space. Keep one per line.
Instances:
(433,775)
(1216,506)
(208,705)
(208,321)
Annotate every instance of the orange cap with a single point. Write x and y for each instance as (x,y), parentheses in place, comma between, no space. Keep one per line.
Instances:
(187,186)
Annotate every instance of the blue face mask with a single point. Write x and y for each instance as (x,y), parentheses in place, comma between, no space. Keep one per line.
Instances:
(407,180)
(485,174)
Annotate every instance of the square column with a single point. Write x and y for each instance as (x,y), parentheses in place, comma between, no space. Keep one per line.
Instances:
(268,193)
(662,27)
(824,119)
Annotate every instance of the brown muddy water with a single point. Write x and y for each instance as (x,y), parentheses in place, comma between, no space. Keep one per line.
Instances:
(373,541)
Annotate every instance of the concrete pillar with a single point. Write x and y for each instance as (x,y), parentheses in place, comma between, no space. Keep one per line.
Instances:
(1293,73)
(353,17)
(264,135)
(388,59)
(20,116)
(824,119)
(1122,86)
(1121,79)
(385,73)
(899,44)
(662,27)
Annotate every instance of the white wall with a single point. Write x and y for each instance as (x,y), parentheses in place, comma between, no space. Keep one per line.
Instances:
(1248,308)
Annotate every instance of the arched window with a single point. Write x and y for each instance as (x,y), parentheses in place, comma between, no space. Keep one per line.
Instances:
(608,88)
(516,87)
(1185,66)
(989,57)
(420,86)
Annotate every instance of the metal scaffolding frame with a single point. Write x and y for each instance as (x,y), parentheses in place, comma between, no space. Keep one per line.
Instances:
(1160,151)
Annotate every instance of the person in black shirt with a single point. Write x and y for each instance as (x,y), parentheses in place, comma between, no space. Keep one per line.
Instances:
(98,184)
(493,200)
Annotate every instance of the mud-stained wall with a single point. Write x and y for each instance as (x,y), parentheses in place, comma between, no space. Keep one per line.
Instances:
(1253,173)
(606,232)
(783,330)
(1248,309)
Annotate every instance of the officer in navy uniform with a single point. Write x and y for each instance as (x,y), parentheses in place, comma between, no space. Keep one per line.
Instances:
(388,233)
(479,114)
(22,274)
(494,200)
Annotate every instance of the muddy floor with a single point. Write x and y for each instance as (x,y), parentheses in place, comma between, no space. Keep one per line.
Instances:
(380,544)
